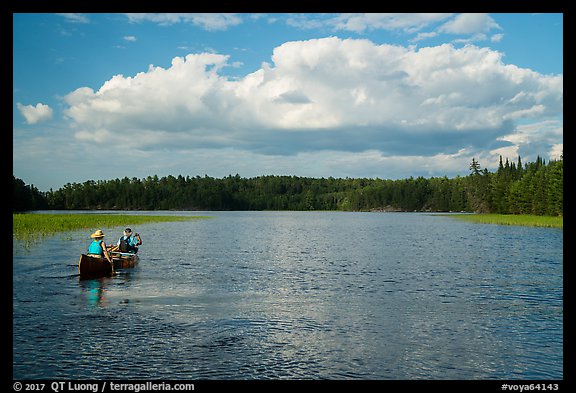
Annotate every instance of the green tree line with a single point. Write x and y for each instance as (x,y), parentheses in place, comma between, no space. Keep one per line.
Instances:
(514,188)
(27,197)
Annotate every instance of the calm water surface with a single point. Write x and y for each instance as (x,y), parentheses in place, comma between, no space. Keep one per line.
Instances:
(292,295)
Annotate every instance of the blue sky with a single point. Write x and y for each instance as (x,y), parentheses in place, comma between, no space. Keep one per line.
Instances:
(103,96)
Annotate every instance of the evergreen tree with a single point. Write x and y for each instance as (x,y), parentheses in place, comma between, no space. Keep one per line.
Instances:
(475,167)
(26,197)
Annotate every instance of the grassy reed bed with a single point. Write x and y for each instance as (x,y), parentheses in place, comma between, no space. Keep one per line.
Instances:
(32,225)
(509,219)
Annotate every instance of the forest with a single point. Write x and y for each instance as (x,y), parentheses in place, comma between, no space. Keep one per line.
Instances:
(514,188)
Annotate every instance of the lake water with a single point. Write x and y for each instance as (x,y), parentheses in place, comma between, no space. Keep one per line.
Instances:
(297,295)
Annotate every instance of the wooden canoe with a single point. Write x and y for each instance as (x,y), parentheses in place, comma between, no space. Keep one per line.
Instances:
(89,266)
(124,260)
(94,267)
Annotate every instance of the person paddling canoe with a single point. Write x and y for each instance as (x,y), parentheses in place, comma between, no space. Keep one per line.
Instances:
(98,248)
(129,242)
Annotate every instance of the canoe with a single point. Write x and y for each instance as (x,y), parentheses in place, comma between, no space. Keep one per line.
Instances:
(124,260)
(94,267)
(89,266)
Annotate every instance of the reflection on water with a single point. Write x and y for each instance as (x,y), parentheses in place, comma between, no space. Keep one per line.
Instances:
(94,291)
(299,295)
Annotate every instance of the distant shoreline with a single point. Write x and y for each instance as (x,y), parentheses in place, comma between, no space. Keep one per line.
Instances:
(27,225)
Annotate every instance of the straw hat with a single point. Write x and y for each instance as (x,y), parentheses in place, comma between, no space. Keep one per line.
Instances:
(98,233)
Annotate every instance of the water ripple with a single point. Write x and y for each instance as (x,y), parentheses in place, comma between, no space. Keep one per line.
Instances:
(285,295)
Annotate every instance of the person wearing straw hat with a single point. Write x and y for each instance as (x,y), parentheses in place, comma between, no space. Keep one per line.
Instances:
(98,248)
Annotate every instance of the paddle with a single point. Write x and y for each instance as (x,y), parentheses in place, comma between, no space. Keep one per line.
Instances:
(108,257)
(113,248)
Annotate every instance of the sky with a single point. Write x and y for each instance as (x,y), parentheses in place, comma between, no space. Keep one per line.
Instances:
(100,96)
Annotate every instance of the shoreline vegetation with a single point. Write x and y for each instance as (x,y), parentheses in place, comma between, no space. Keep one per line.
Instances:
(534,188)
(27,225)
(30,225)
(510,219)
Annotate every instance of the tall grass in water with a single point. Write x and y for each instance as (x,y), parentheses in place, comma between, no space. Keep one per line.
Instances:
(510,219)
(25,226)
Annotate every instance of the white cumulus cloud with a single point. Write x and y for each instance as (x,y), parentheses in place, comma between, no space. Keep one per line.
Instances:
(324,94)
(35,114)
(469,24)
